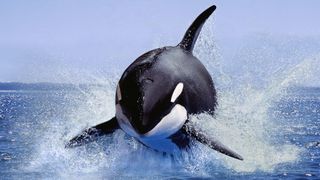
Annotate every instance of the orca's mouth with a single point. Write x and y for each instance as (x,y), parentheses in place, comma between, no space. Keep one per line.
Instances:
(143,122)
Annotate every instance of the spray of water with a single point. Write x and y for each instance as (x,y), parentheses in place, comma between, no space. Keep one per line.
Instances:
(243,119)
(242,122)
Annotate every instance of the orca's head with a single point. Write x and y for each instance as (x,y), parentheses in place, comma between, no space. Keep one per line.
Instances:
(149,103)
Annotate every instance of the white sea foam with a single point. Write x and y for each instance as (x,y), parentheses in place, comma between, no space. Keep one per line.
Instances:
(242,122)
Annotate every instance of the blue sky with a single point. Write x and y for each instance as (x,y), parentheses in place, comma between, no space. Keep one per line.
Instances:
(38,38)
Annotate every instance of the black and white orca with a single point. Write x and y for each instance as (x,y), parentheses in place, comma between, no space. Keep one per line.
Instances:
(156,95)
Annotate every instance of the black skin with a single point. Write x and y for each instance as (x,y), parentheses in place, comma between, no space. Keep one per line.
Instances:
(147,85)
(154,76)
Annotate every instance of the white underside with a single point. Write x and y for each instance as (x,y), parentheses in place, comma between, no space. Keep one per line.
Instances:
(169,124)
(158,137)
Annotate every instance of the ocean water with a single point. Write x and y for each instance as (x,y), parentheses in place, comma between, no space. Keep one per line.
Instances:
(35,124)
(264,114)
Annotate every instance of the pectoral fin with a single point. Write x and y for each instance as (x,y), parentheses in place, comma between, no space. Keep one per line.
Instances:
(210,142)
(92,133)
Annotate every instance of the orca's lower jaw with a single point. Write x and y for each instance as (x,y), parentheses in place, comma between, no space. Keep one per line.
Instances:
(132,125)
(143,124)
(160,128)
(139,122)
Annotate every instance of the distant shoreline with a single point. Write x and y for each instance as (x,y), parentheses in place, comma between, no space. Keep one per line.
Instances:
(46,86)
(43,86)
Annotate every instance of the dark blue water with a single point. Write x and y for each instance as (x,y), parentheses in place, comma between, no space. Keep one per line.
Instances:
(35,125)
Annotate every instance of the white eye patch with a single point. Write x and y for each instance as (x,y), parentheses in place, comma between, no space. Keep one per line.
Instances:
(177,91)
(118,93)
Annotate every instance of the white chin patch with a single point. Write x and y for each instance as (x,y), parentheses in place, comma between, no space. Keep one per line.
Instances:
(169,124)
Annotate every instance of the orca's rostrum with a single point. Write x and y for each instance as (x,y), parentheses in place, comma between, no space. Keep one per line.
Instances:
(158,92)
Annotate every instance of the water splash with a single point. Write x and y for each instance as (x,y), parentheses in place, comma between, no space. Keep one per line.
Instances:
(242,121)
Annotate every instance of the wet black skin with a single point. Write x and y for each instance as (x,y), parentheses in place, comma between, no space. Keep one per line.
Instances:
(148,83)
(146,86)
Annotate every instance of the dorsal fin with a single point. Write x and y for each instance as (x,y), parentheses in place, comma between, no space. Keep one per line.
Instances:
(191,35)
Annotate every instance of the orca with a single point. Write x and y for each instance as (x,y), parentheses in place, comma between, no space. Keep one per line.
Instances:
(156,95)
